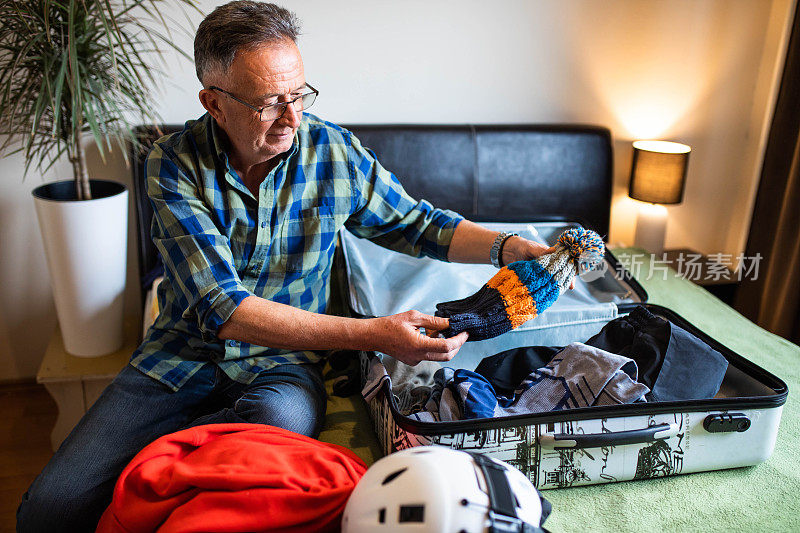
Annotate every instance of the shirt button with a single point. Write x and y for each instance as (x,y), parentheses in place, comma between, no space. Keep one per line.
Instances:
(264,224)
(232,343)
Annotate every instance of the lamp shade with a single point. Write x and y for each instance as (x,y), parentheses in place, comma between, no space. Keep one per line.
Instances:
(658,172)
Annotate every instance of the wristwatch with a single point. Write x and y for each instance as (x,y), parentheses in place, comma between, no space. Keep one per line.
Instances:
(497,245)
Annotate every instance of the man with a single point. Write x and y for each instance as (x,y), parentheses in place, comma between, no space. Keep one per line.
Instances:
(247,201)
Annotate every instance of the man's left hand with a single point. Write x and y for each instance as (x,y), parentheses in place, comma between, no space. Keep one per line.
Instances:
(517,248)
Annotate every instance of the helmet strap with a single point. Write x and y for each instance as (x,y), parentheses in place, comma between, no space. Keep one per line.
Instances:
(502,507)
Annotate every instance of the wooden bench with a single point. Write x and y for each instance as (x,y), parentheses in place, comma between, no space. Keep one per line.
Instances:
(76,382)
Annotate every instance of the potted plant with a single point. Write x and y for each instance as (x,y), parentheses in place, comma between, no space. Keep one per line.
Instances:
(71,69)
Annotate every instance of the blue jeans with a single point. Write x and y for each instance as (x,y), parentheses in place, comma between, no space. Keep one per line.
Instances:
(76,486)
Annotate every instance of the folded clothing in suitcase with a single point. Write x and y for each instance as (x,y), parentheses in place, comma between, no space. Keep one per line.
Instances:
(584,445)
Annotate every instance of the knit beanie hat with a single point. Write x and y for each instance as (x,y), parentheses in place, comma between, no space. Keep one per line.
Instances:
(524,289)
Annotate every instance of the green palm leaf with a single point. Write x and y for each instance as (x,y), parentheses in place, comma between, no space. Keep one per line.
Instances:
(74,67)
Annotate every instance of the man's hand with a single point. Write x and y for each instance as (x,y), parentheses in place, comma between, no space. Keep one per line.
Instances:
(520,249)
(400,336)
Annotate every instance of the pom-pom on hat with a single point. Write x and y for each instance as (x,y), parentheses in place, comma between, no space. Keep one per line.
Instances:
(524,289)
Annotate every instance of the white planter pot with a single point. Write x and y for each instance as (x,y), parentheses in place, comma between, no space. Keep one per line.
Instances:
(86,247)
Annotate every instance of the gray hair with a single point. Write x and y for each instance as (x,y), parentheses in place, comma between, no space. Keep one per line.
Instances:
(240,25)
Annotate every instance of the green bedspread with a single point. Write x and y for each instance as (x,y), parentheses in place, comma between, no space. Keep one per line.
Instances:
(765,497)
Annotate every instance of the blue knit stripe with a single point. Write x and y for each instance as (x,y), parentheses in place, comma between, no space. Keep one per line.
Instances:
(541,284)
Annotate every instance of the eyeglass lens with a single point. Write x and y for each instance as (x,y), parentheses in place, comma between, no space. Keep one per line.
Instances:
(301,104)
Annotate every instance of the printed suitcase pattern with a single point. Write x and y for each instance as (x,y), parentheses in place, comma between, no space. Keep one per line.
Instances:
(689,448)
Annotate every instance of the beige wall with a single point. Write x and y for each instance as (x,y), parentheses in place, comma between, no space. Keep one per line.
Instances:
(698,71)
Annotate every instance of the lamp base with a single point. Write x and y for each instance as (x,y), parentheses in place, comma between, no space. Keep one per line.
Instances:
(651,228)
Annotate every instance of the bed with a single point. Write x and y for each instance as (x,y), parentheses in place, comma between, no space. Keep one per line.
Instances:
(565,172)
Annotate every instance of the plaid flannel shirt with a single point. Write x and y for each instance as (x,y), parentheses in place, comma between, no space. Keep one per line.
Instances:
(220,243)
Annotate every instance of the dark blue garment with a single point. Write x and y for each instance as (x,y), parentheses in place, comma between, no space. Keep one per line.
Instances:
(507,369)
(675,364)
(476,396)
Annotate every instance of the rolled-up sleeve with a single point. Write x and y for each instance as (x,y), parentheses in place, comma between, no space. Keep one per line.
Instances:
(197,257)
(387,215)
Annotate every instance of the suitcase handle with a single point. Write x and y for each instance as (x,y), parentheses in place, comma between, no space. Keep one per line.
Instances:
(615,438)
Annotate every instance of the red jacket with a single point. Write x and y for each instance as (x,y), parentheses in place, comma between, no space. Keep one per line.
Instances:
(234,477)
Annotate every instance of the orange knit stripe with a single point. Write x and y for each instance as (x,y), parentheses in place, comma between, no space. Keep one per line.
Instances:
(519,305)
(503,275)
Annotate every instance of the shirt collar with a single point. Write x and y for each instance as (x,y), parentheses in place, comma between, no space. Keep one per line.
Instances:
(221,145)
(218,137)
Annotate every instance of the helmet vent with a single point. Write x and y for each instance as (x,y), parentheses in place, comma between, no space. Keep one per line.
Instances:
(412,513)
(393,475)
(382,515)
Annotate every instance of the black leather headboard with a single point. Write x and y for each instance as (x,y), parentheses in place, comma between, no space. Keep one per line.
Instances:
(485,173)
(496,172)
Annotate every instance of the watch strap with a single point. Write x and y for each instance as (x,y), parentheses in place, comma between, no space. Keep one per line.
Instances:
(502,245)
(494,251)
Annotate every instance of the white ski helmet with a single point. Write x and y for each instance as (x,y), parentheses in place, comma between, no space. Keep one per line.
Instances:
(437,489)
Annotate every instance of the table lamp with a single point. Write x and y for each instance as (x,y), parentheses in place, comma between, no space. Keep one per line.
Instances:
(658,175)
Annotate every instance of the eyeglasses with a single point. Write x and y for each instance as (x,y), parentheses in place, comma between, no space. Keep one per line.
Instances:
(276,110)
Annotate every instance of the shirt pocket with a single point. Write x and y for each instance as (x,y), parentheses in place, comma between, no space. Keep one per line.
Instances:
(307,237)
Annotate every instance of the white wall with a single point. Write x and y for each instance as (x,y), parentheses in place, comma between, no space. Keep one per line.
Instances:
(698,71)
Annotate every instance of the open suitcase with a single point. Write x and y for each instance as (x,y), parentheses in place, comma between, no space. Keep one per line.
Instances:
(582,446)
